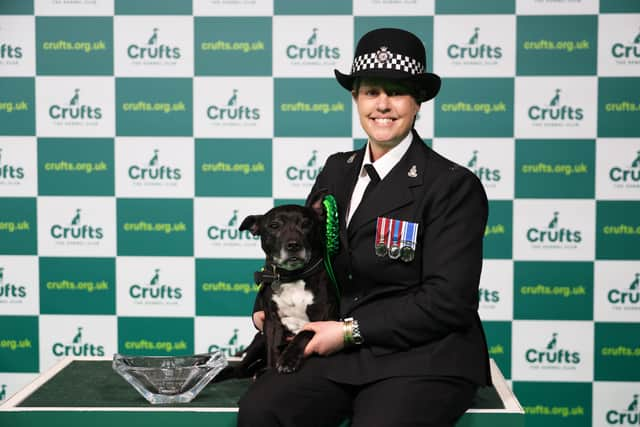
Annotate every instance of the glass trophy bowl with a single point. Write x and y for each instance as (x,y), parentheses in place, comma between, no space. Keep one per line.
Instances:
(169,379)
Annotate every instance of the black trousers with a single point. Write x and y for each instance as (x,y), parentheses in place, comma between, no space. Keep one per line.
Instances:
(307,398)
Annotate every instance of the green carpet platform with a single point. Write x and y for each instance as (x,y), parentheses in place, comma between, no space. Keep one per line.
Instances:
(87,392)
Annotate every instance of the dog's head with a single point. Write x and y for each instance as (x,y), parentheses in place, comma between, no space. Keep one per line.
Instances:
(291,235)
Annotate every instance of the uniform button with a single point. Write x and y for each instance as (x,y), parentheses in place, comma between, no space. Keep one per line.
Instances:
(350,277)
(356,298)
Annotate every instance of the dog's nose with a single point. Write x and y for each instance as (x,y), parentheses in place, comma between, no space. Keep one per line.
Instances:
(293,246)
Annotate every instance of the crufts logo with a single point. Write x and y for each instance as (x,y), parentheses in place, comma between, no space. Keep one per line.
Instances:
(307,172)
(3,392)
(629,416)
(9,171)
(153,171)
(473,50)
(8,51)
(629,50)
(152,49)
(626,298)
(312,50)
(489,295)
(233,111)
(231,348)
(75,110)
(230,232)
(628,175)
(154,291)
(77,347)
(551,356)
(10,291)
(555,111)
(553,234)
(76,231)
(484,173)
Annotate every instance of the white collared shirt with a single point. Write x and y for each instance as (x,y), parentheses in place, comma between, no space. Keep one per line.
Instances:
(383,166)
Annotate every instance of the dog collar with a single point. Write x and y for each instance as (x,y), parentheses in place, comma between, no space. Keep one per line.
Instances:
(271,273)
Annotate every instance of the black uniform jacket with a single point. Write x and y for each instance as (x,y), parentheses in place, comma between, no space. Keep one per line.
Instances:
(420,317)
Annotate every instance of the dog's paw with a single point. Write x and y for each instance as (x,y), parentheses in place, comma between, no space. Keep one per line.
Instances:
(289,362)
(284,369)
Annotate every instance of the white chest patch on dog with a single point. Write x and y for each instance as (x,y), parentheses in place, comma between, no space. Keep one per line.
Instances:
(292,300)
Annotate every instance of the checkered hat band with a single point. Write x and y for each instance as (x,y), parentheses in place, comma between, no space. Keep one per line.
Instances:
(369,61)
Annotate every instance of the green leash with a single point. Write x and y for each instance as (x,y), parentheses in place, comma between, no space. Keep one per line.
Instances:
(332,240)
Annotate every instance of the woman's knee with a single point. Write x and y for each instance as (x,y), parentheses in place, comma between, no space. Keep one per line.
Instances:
(254,410)
(293,400)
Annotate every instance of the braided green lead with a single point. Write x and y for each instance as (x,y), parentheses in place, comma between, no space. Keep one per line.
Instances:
(331,242)
(331,207)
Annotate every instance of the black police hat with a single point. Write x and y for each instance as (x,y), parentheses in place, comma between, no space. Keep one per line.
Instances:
(395,54)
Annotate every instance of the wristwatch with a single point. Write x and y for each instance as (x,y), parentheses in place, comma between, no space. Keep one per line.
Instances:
(352,333)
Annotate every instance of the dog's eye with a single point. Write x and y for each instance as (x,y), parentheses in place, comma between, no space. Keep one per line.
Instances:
(274,225)
(306,223)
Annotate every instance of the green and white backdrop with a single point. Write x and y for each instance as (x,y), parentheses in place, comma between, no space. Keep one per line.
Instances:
(136,134)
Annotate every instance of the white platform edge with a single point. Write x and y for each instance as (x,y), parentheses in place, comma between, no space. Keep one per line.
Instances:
(506,395)
(511,404)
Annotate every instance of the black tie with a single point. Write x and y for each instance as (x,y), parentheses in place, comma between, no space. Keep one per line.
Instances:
(374,179)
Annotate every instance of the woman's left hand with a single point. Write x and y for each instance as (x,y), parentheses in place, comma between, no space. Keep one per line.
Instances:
(328,339)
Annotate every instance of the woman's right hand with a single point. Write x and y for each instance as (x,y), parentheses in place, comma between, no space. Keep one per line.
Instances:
(258,319)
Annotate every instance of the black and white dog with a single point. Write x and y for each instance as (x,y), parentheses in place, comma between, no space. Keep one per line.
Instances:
(295,288)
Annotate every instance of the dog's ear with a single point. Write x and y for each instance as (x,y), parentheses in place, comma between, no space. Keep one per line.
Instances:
(251,223)
(314,201)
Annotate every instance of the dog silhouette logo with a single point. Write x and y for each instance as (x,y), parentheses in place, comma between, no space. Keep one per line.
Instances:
(474,159)
(556,99)
(234,98)
(154,38)
(78,337)
(75,98)
(313,38)
(154,159)
(474,37)
(554,341)
(156,277)
(76,218)
(312,160)
(234,219)
(554,221)
(636,162)
(234,338)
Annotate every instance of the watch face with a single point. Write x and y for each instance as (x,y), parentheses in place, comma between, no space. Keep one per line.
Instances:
(357,337)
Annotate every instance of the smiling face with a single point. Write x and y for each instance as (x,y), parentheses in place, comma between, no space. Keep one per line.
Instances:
(386,110)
